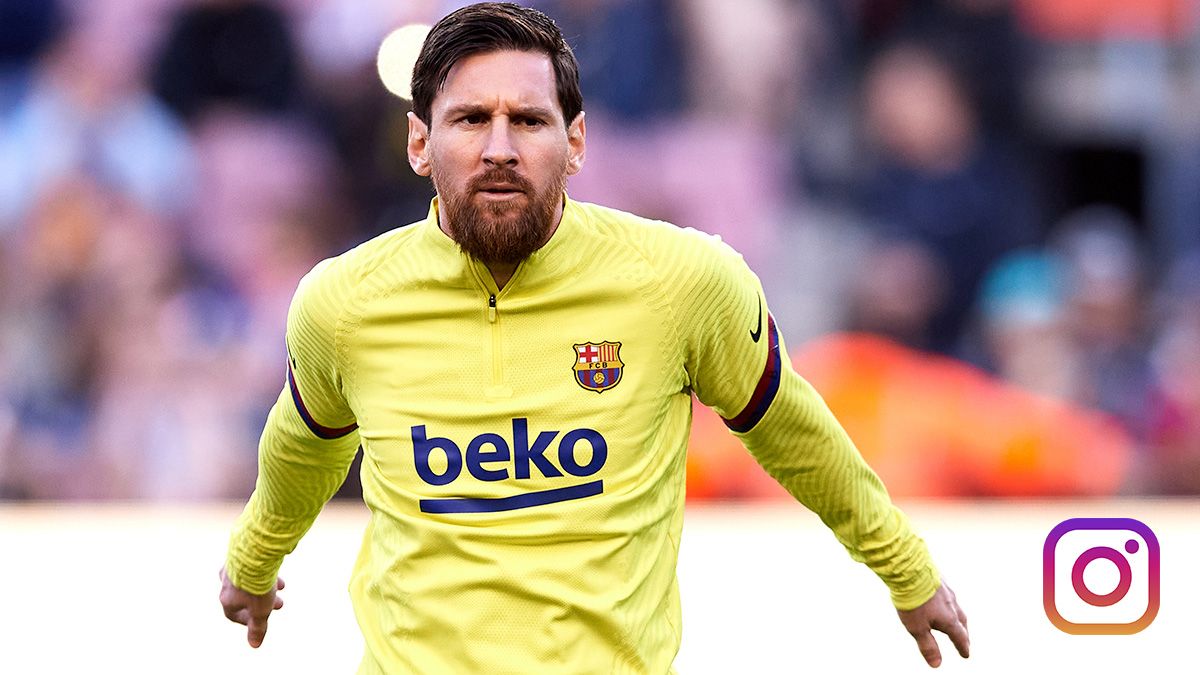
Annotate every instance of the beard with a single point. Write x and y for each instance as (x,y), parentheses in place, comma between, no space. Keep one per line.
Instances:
(504,232)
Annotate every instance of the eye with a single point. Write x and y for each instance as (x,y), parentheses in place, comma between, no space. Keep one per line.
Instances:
(530,122)
(473,118)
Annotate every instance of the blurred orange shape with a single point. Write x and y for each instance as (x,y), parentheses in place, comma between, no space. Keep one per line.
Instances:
(930,426)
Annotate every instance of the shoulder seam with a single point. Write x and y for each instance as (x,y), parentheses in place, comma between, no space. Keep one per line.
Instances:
(342,329)
(677,333)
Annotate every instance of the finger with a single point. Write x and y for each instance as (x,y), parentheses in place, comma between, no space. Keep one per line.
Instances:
(279,584)
(278,602)
(957,632)
(929,648)
(962,616)
(960,638)
(256,631)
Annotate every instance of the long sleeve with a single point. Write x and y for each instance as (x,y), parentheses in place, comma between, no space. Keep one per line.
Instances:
(307,444)
(801,445)
(739,366)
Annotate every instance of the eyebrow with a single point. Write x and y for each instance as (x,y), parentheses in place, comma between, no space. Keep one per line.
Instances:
(464,109)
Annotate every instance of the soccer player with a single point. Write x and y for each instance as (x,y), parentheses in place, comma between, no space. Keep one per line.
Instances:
(518,368)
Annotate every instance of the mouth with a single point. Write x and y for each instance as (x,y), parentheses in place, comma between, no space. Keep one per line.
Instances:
(500,191)
(500,187)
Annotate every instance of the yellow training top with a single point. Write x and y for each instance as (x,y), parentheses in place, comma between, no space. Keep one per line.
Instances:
(524,448)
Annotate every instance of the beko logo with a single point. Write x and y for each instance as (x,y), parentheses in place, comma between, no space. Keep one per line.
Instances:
(491,457)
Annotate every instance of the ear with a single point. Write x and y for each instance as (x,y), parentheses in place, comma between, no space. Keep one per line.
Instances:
(418,145)
(576,144)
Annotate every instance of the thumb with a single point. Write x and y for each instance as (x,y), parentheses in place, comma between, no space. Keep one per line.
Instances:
(256,631)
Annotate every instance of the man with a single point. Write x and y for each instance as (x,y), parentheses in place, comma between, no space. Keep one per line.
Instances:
(518,368)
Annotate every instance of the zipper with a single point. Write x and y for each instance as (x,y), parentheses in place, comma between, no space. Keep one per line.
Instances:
(497,354)
(497,389)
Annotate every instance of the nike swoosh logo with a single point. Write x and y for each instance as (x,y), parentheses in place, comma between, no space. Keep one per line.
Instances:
(757,332)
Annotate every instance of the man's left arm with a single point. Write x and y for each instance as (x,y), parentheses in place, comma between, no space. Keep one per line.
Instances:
(800,444)
(740,368)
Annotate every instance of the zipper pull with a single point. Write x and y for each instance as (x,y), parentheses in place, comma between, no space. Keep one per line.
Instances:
(492,308)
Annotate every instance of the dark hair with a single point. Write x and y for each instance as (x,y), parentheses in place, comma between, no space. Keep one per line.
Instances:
(489,27)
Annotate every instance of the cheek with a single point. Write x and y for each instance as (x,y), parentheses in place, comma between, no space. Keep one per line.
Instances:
(549,162)
(449,169)
(451,152)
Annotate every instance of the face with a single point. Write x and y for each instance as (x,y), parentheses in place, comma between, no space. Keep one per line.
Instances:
(499,153)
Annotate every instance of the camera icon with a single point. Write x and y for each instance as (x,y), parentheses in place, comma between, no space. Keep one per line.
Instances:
(1100,576)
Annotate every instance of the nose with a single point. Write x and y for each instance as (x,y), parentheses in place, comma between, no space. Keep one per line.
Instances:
(499,150)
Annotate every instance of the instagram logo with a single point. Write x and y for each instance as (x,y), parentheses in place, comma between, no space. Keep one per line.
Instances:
(1100,576)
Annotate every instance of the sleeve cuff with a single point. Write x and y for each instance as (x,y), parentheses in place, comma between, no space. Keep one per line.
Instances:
(919,591)
(251,583)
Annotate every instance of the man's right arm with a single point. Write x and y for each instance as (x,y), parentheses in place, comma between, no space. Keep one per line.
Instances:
(308,443)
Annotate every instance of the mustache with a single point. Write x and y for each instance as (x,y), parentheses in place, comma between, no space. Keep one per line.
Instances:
(503,175)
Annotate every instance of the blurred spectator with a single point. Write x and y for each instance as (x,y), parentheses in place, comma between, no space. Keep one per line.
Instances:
(1025,332)
(144,343)
(51,343)
(982,41)
(232,230)
(179,382)
(131,377)
(898,290)
(87,111)
(937,181)
(365,123)
(630,55)
(368,130)
(1107,322)
(1069,321)
(979,39)
(239,52)
(718,164)
(26,27)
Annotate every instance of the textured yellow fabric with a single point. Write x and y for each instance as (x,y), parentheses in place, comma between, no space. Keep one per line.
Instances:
(526,511)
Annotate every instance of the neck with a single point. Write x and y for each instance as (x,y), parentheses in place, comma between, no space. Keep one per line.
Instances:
(502,272)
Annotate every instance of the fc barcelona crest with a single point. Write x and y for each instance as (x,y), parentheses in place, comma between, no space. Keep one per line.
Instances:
(598,365)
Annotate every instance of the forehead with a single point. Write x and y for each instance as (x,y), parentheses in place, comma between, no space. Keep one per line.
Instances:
(500,79)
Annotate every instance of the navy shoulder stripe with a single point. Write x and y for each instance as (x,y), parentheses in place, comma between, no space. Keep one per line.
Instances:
(768,385)
(325,432)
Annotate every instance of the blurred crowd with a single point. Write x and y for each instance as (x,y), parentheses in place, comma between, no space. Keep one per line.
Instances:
(978,221)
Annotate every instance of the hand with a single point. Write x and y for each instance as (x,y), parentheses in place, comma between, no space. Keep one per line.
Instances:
(248,609)
(942,613)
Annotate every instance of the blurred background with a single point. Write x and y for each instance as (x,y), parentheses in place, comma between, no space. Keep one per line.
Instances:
(977,221)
